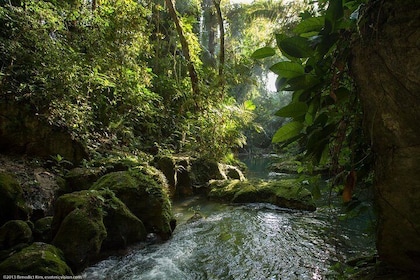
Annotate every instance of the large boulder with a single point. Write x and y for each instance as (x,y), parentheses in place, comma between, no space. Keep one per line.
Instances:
(37,259)
(144,190)
(13,233)
(42,229)
(177,170)
(80,236)
(79,178)
(12,204)
(89,222)
(288,193)
(203,170)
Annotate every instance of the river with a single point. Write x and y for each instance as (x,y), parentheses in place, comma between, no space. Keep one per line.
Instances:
(251,241)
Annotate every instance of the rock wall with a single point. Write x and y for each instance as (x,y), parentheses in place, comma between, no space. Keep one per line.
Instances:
(23,131)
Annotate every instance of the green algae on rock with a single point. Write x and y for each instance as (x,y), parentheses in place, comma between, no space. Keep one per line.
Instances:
(13,233)
(42,229)
(37,259)
(287,193)
(89,222)
(144,190)
(12,204)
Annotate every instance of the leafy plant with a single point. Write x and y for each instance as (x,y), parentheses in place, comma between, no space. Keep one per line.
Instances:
(324,114)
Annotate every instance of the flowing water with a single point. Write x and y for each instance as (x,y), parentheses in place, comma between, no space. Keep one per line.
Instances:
(250,241)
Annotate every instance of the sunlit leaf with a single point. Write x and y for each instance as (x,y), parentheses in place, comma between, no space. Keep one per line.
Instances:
(249,105)
(293,110)
(296,46)
(288,69)
(287,131)
(263,53)
(310,24)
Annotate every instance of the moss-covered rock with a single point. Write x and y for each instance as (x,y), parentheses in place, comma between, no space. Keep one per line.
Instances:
(233,172)
(37,259)
(12,204)
(89,222)
(13,233)
(167,165)
(288,193)
(42,229)
(122,226)
(79,179)
(203,170)
(80,236)
(145,192)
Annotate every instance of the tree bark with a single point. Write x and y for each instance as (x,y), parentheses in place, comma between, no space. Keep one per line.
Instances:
(222,40)
(185,48)
(386,67)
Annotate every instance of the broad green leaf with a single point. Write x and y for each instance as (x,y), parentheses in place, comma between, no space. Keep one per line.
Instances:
(263,52)
(287,131)
(280,83)
(302,82)
(293,110)
(288,69)
(335,12)
(249,105)
(309,25)
(296,46)
(326,42)
(279,38)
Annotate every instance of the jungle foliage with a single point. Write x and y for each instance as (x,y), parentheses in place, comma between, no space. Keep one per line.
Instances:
(325,115)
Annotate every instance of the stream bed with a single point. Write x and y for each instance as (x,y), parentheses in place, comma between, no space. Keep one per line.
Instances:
(250,241)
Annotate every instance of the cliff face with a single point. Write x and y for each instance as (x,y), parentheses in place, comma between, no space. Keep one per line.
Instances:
(23,131)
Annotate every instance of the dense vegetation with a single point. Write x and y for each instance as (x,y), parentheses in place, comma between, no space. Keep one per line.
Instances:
(184,78)
(116,74)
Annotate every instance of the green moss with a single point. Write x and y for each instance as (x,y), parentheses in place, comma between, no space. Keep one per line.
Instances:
(287,193)
(14,232)
(80,237)
(37,259)
(42,229)
(122,226)
(89,222)
(145,192)
(12,204)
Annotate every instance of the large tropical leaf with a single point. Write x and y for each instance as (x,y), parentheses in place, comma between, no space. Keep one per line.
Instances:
(288,69)
(302,82)
(309,25)
(263,53)
(296,46)
(293,110)
(287,131)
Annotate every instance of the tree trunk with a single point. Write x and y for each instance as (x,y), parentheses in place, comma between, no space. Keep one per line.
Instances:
(386,66)
(185,48)
(222,40)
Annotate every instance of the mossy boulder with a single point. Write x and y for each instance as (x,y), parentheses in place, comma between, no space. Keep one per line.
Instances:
(89,222)
(42,229)
(144,190)
(203,170)
(122,226)
(167,165)
(13,233)
(79,178)
(288,193)
(80,236)
(12,204)
(37,259)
